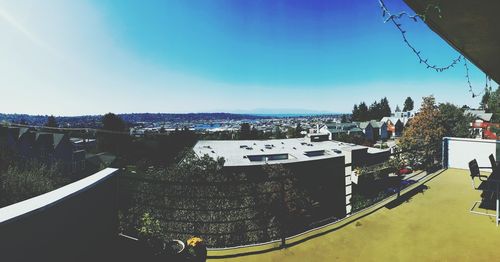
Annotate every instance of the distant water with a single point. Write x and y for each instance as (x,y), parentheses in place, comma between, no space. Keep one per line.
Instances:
(294,114)
(206,126)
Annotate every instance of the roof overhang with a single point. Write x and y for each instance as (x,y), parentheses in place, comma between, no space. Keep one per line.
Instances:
(469,26)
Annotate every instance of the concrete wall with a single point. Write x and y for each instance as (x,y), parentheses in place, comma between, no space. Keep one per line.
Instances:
(77,222)
(457,152)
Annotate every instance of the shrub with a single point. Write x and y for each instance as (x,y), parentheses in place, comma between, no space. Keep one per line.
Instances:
(25,180)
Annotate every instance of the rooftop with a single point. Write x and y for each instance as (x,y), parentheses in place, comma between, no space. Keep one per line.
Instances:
(431,222)
(282,151)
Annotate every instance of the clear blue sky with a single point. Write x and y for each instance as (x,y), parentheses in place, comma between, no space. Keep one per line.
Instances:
(88,57)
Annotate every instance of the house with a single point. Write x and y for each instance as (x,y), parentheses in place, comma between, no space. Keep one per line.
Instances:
(395,126)
(45,147)
(367,129)
(481,125)
(379,130)
(336,129)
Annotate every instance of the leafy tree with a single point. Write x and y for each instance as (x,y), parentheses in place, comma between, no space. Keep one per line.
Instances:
(425,132)
(51,122)
(254,133)
(493,105)
(113,122)
(408,105)
(455,123)
(485,99)
(245,130)
(115,141)
(298,130)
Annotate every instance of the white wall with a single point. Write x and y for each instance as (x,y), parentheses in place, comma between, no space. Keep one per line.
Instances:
(460,151)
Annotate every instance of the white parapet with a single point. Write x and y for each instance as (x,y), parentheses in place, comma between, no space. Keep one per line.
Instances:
(458,152)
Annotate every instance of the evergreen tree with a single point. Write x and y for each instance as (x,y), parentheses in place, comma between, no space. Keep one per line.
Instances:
(355,113)
(374,111)
(363,112)
(343,119)
(385,109)
(397,109)
(408,105)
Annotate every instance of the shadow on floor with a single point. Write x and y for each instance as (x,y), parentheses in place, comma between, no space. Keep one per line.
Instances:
(406,197)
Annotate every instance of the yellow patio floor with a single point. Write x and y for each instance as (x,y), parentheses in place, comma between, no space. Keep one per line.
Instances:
(430,225)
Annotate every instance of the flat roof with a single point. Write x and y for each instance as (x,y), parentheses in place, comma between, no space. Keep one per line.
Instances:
(273,151)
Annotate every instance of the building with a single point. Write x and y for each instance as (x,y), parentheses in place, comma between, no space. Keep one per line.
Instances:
(395,126)
(367,129)
(379,130)
(481,125)
(43,146)
(336,129)
(326,163)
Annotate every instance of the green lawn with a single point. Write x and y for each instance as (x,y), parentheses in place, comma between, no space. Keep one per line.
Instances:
(433,224)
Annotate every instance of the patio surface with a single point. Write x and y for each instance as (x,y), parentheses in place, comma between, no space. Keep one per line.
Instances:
(429,223)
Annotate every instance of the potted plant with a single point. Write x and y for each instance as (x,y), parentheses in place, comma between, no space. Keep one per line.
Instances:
(196,249)
(150,237)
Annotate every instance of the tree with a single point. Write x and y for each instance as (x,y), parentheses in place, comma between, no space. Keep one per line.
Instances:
(116,141)
(298,130)
(397,109)
(425,133)
(385,109)
(493,105)
(408,105)
(245,130)
(343,119)
(455,122)
(486,97)
(112,122)
(355,113)
(51,122)
(363,112)
(374,111)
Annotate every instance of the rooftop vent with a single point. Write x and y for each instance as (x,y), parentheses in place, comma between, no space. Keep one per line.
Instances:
(315,153)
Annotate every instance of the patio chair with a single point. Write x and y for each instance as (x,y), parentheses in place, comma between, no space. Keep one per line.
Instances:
(494,165)
(486,185)
(476,173)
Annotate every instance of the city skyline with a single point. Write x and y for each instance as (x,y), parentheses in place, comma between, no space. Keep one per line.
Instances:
(93,57)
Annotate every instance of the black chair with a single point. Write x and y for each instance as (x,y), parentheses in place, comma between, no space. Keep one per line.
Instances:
(487,185)
(476,173)
(494,165)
